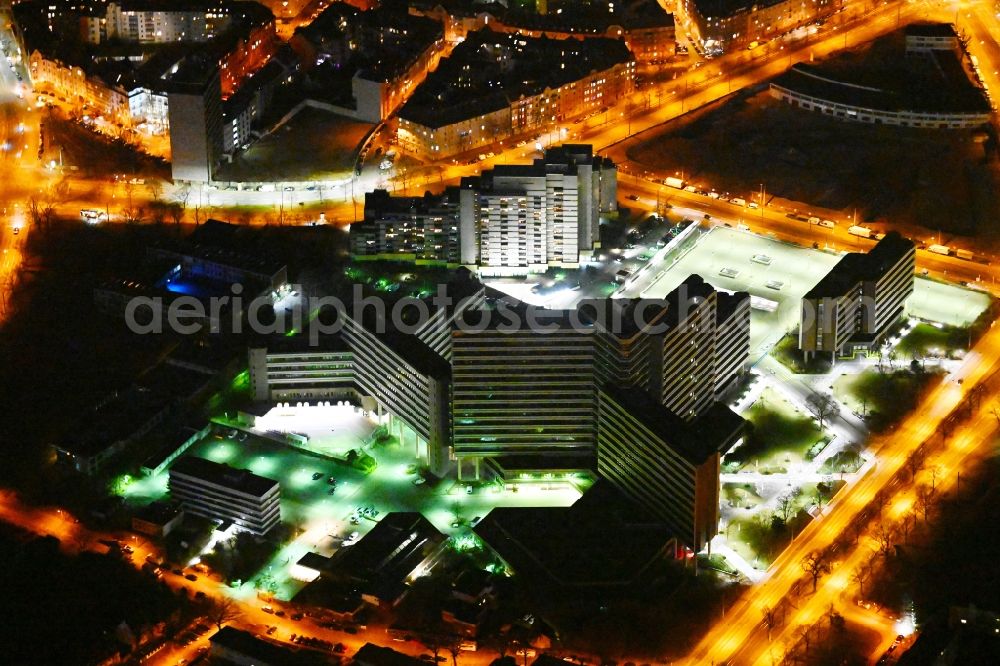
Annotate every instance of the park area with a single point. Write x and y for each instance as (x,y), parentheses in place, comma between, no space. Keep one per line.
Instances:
(884,396)
(782,436)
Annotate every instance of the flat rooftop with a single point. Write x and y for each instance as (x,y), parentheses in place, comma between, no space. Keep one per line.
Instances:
(238,480)
(603,539)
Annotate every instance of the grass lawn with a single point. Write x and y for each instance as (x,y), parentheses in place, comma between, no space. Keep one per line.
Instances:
(761,538)
(787,352)
(884,397)
(740,495)
(928,340)
(780,435)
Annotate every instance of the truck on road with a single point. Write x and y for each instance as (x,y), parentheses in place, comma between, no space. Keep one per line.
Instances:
(965,254)
(939,249)
(736,201)
(857,230)
(670,181)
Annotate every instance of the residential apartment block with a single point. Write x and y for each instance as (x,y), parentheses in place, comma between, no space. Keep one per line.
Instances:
(154,23)
(513,219)
(366,63)
(495,86)
(723,25)
(858,301)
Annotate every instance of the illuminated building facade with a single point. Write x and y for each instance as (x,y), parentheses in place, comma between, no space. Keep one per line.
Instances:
(723,25)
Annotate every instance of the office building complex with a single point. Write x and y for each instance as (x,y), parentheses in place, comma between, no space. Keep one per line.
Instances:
(407,376)
(503,389)
(513,219)
(218,491)
(525,383)
(664,463)
(858,301)
(288,368)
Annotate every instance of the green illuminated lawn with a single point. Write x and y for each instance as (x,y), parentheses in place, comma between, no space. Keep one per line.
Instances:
(884,397)
(926,340)
(322,519)
(781,434)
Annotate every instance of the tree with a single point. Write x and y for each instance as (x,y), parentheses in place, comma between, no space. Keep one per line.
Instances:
(821,405)
(769,620)
(454,648)
(883,536)
(181,196)
(859,576)
(786,505)
(41,213)
(815,564)
(925,499)
(223,610)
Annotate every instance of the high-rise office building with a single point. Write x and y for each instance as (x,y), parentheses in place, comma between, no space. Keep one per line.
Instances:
(525,381)
(666,464)
(859,300)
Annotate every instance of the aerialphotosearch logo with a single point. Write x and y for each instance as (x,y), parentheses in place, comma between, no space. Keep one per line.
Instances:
(317,316)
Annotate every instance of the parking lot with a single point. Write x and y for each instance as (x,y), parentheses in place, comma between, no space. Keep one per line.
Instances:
(324,520)
(741,261)
(781,273)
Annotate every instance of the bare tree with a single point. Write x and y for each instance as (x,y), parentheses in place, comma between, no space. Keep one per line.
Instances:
(821,405)
(223,610)
(769,620)
(925,500)
(786,505)
(883,536)
(815,565)
(41,213)
(859,576)
(454,648)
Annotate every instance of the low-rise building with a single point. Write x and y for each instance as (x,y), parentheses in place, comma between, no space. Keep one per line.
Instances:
(235,646)
(921,37)
(218,491)
(402,546)
(602,541)
(157,519)
(375,655)
(944,104)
